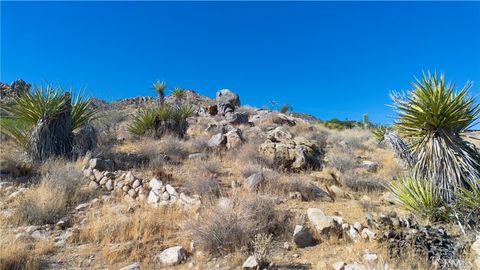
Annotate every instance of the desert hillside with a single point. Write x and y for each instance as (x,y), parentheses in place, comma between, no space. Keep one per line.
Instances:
(183,181)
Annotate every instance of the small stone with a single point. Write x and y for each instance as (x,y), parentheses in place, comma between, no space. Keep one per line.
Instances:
(250,264)
(165,196)
(475,249)
(155,184)
(136,183)
(295,195)
(172,256)
(132,193)
(255,180)
(337,191)
(357,226)
(100,164)
(109,185)
(103,181)
(339,265)
(153,197)
(129,177)
(368,234)
(353,234)
(389,198)
(98,174)
(370,257)
(197,156)
(322,223)
(82,206)
(287,246)
(302,237)
(133,266)
(171,190)
(126,188)
(93,185)
(88,172)
(354,266)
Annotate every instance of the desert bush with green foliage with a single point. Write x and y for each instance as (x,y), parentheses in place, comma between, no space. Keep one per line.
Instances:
(159,88)
(157,122)
(432,117)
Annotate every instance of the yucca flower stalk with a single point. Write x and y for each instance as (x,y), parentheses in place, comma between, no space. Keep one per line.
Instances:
(432,117)
(159,88)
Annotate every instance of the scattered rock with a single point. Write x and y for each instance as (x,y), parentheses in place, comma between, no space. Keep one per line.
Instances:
(389,197)
(322,223)
(339,266)
(475,248)
(171,190)
(172,256)
(133,266)
(302,237)
(101,164)
(82,206)
(227,101)
(250,264)
(155,184)
(234,138)
(237,118)
(255,180)
(217,140)
(368,234)
(197,156)
(370,166)
(153,197)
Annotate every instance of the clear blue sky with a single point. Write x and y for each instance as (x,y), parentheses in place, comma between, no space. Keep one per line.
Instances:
(325,58)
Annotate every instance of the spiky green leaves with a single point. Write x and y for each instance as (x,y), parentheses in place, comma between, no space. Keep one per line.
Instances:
(419,197)
(178,92)
(431,117)
(155,122)
(434,105)
(46,103)
(159,87)
(378,133)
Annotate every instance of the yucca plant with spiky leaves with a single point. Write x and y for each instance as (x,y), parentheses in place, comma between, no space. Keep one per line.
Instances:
(43,106)
(159,88)
(420,197)
(468,203)
(156,122)
(432,117)
(378,133)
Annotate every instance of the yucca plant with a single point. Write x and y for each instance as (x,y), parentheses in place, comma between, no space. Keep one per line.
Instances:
(156,122)
(420,197)
(159,88)
(178,94)
(468,203)
(378,133)
(42,121)
(432,117)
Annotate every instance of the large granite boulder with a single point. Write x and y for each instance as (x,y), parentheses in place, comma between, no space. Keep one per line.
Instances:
(227,101)
(289,153)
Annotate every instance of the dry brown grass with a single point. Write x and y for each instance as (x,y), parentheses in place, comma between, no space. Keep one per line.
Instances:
(22,254)
(125,234)
(61,188)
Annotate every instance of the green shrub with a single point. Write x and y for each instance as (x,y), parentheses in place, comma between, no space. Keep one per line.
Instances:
(156,122)
(285,108)
(420,197)
(468,204)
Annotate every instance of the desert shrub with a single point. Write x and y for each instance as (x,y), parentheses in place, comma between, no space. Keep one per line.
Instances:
(108,120)
(341,160)
(211,166)
(203,186)
(262,246)
(197,144)
(362,182)
(159,88)
(420,197)
(159,121)
(173,148)
(249,169)
(47,202)
(335,123)
(432,116)
(228,226)
(42,121)
(351,139)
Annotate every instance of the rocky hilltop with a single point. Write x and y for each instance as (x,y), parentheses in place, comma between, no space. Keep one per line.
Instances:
(243,188)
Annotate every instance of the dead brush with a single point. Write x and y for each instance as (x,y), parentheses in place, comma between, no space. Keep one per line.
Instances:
(230,225)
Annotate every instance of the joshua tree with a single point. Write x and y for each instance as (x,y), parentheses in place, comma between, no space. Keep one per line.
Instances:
(43,121)
(159,87)
(432,117)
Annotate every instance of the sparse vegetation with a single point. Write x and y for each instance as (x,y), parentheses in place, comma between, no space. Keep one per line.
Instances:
(156,122)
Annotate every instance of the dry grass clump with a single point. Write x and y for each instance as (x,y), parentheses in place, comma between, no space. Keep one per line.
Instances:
(352,139)
(62,187)
(127,234)
(231,224)
(174,148)
(341,160)
(364,182)
(20,254)
(317,134)
(203,186)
